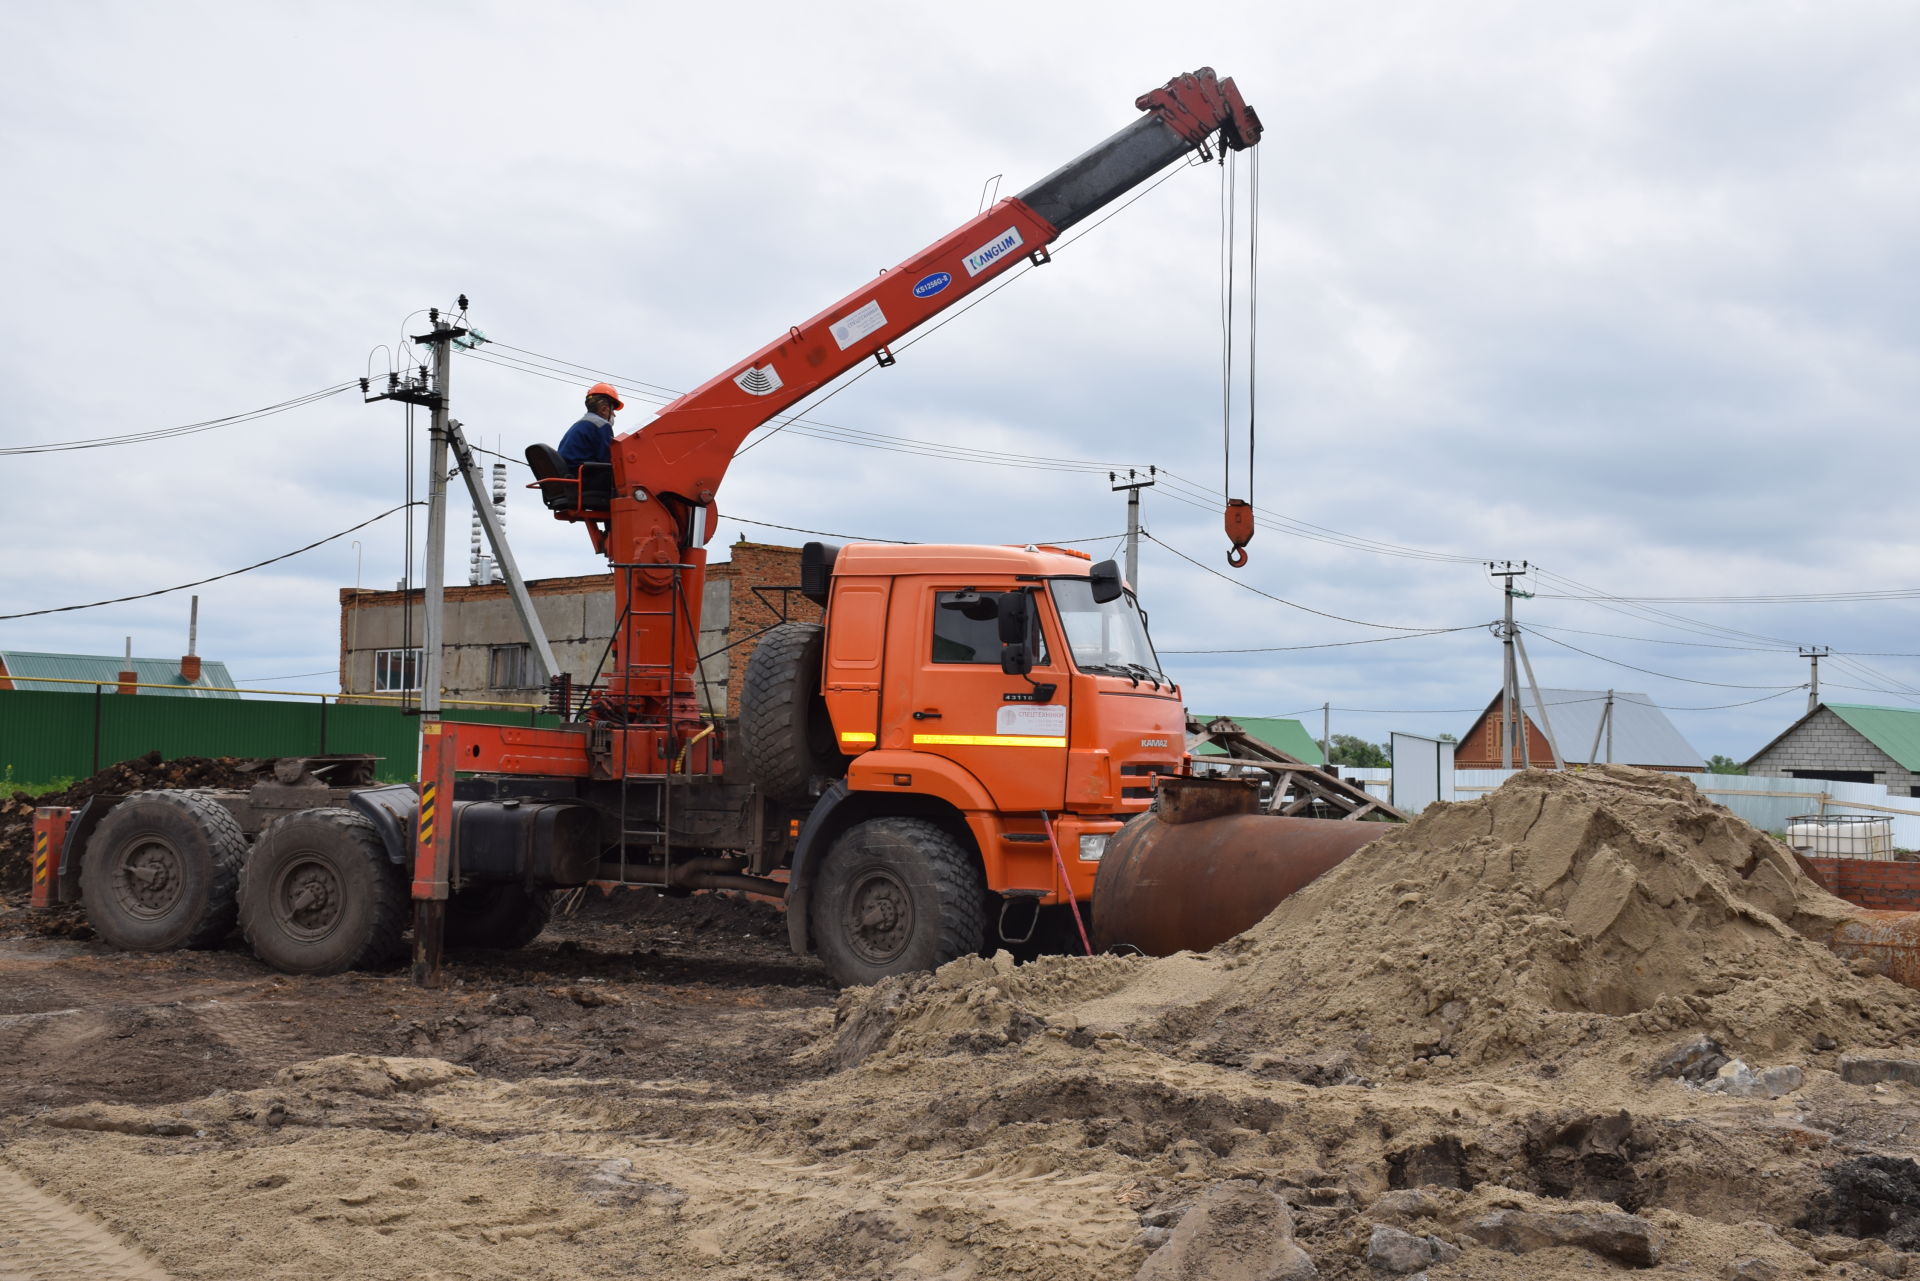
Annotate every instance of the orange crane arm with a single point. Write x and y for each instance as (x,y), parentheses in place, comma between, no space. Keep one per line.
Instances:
(667,473)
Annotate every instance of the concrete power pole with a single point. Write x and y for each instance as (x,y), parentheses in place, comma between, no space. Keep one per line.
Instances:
(1814,653)
(1512,721)
(1133,485)
(432,846)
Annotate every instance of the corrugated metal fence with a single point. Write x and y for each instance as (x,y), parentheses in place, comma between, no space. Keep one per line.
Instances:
(1767,803)
(46,735)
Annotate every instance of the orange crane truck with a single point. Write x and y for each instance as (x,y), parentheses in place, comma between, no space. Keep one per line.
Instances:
(917,776)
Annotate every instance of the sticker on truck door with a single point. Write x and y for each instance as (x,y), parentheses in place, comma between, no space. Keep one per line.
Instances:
(1028,721)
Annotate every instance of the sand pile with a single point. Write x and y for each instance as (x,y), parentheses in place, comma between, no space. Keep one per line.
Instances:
(1561,911)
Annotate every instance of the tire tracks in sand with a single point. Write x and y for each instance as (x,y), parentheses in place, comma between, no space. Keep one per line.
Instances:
(45,1238)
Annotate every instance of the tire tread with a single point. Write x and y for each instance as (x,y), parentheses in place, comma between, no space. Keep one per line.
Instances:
(779,701)
(959,885)
(383,940)
(225,839)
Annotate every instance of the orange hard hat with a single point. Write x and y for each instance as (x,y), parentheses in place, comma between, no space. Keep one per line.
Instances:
(605,389)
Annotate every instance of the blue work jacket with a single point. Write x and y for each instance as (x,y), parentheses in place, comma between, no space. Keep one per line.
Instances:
(588,441)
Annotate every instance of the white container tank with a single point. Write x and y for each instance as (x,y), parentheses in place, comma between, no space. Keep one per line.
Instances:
(1841,836)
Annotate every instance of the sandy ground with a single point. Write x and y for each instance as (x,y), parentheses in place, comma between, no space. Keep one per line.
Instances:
(1458,1056)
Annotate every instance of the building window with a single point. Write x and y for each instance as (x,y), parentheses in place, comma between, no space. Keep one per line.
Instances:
(395,670)
(509,667)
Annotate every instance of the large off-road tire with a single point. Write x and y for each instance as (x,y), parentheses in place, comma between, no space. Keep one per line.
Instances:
(319,895)
(159,872)
(894,895)
(788,739)
(502,916)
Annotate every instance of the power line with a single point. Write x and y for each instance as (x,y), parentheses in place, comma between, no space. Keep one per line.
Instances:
(1370,640)
(1815,598)
(1659,640)
(1648,670)
(1244,586)
(271,560)
(188,429)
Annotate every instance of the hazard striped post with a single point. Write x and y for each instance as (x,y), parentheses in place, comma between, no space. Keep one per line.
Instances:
(432,848)
(49,842)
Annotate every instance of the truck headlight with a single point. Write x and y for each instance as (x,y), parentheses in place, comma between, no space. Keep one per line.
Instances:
(1092,846)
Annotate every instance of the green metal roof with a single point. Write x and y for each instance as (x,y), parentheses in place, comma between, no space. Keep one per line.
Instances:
(1290,736)
(1894,730)
(75,673)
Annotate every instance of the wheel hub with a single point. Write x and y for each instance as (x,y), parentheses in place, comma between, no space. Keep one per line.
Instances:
(879,916)
(307,899)
(149,880)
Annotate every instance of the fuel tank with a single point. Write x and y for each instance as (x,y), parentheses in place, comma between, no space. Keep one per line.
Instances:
(1204,866)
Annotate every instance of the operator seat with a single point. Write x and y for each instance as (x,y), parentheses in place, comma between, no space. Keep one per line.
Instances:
(564,490)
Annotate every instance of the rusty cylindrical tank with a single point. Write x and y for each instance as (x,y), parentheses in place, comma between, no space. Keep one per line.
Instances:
(1888,941)
(1206,865)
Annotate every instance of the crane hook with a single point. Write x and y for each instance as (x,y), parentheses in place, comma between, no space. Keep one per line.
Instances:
(1239,530)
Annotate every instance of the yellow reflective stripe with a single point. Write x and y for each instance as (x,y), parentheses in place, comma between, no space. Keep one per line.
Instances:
(989,740)
(855,736)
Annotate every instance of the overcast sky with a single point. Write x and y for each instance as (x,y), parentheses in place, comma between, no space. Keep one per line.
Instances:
(1627,291)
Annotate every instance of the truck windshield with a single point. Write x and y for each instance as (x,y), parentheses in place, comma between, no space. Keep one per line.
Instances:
(1105,638)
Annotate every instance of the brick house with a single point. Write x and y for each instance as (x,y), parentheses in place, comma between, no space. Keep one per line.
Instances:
(1591,725)
(1848,743)
(487,658)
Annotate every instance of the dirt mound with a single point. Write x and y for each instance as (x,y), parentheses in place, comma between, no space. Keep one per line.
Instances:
(142,773)
(1561,911)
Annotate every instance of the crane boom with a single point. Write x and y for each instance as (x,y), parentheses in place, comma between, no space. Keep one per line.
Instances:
(668,472)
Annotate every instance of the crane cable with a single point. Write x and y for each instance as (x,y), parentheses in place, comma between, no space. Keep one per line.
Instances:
(1239,511)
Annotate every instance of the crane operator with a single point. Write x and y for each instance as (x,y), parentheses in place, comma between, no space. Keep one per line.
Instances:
(590,440)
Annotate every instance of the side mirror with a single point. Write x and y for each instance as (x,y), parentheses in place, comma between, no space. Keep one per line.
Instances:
(1018,628)
(1105,580)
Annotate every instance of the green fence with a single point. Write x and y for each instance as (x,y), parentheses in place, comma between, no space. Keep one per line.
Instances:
(46,735)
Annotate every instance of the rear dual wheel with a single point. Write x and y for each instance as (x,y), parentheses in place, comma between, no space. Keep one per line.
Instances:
(160,872)
(321,896)
(502,916)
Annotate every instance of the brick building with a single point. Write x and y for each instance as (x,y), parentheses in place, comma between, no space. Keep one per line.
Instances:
(1848,743)
(1592,726)
(487,658)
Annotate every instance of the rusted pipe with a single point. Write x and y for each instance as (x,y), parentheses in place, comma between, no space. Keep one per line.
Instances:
(1167,887)
(1889,942)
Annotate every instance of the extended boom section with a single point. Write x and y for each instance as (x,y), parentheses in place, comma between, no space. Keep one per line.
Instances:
(667,474)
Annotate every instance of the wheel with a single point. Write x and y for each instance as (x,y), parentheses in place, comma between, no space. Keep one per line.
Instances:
(502,916)
(159,872)
(783,720)
(896,894)
(319,895)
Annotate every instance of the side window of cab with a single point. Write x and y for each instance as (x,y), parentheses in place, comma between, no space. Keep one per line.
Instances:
(966,628)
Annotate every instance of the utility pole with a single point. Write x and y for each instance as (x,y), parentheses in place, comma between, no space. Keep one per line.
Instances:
(433,827)
(1511,719)
(1814,653)
(1326,733)
(1133,485)
(1605,726)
